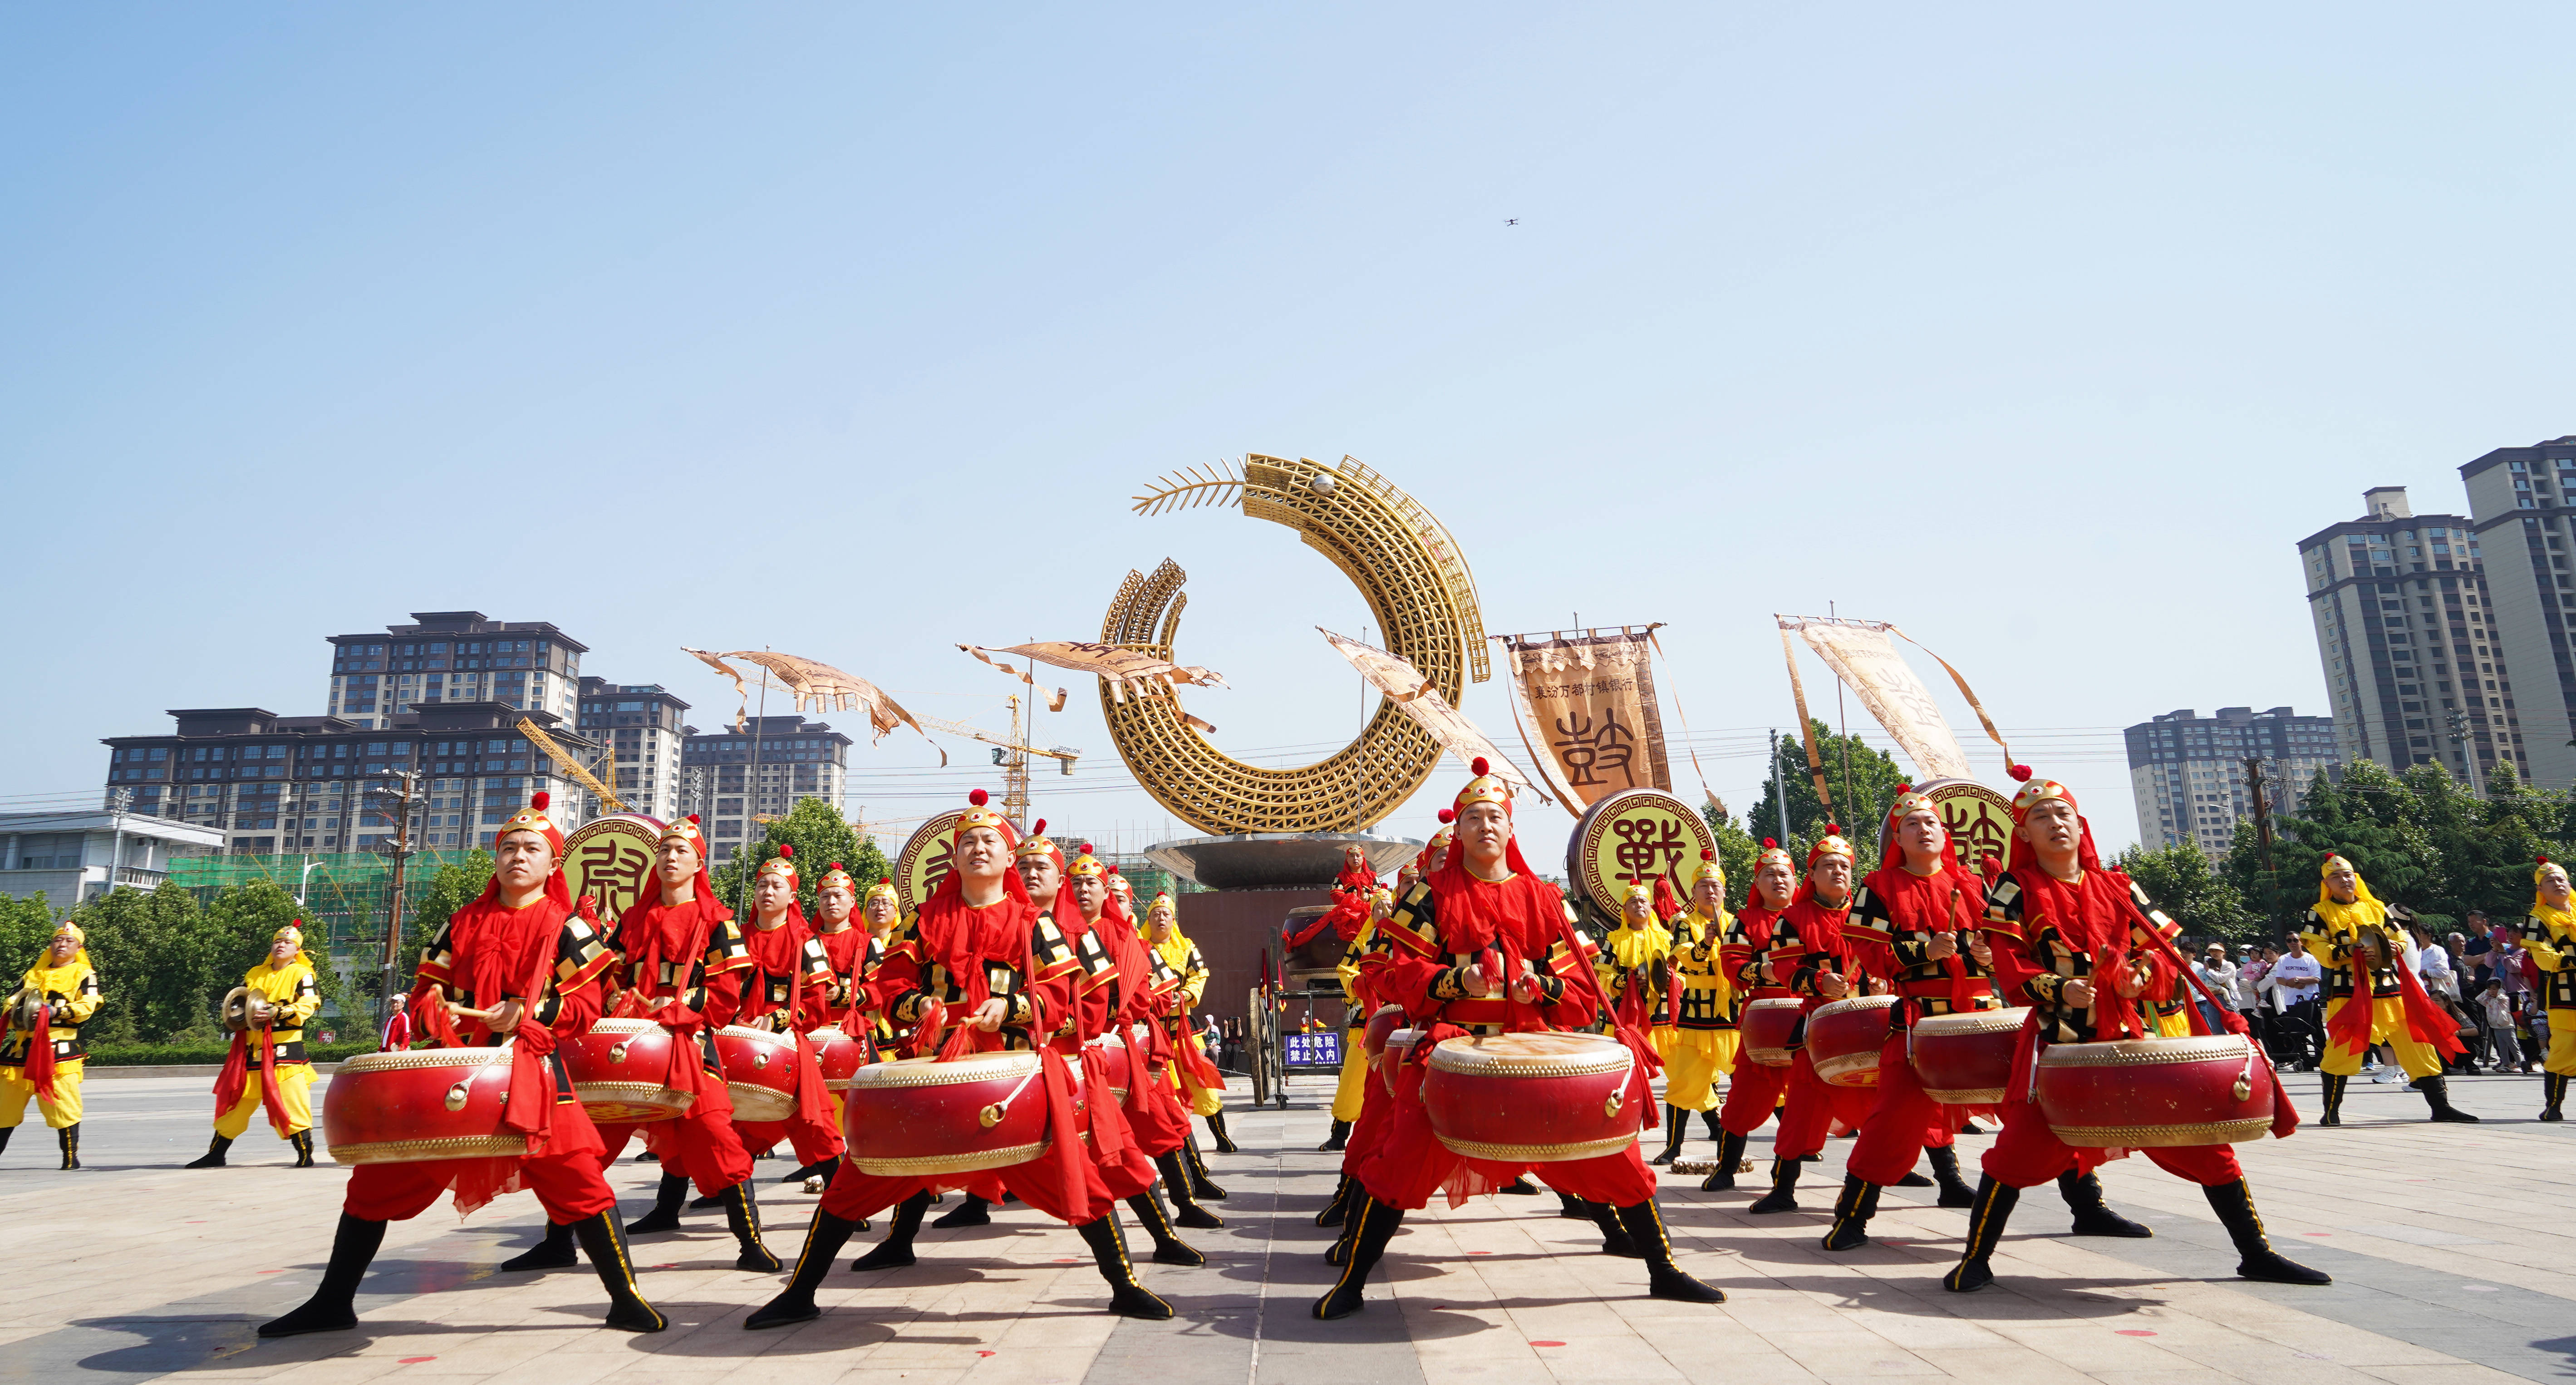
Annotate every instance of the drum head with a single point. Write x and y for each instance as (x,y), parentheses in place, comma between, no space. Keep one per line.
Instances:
(931,1072)
(1534,1054)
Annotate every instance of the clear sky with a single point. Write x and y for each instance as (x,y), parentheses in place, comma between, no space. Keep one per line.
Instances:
(2044,331)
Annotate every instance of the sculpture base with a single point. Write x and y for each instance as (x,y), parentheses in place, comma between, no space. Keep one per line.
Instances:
(1275,860)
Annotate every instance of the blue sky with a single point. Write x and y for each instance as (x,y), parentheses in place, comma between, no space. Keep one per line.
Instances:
(849,330)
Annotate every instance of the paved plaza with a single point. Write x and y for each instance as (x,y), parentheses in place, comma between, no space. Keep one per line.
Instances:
(2451,1249)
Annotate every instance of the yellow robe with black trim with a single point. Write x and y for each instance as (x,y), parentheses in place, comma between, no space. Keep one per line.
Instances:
(294,991)
(72,989)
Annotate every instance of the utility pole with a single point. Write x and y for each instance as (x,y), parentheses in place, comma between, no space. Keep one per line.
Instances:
(400,796)
(1779,791)
(2460,741)
(2262,810)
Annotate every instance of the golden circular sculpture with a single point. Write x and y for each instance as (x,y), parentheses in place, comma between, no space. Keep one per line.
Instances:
(1416,583)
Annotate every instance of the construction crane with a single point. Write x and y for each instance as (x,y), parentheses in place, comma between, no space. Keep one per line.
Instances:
(571,767)
(1011,755)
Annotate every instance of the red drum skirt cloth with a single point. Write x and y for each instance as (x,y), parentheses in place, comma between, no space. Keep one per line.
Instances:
(565,1175)
(1410,1163)
(1154,1111)
(1125,1169)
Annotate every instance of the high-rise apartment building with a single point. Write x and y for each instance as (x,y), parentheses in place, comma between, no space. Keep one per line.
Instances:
(284,784)
(2521,500)
(796,759)
(641,722)
(2191,778)
(2413,657)
(452,656)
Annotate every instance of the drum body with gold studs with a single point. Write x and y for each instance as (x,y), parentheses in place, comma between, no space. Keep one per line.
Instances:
(618,1068)
(918,1117)
(409,1107)
(2204,1089)
(1965,1059)
(1768,1026)
(1533,1098)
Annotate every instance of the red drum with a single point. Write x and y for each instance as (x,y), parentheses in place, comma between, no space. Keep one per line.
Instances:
(760,1072)
(1766,1026)
(617,1070)
(2136,1093)
(404,1108)
(1119,1062)
(1843,1039)
(840,1055)
(1386,1021)
(1533,1098)
(1965,1059)
(1399,1046)
(918,1116)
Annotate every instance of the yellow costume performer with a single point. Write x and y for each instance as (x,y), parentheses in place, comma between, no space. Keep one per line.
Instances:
(42,1056)
(1351,1088)
(1180,975)
(2549,935)
(2372,996)
(1701,1046)
(284,981)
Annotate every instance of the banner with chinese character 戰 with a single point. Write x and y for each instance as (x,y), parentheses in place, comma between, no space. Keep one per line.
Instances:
(1591,699)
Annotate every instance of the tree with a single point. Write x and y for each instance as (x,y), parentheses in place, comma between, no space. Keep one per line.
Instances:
(456,885)
(1862,781)
(2181,881)
(26,924)
(820,836)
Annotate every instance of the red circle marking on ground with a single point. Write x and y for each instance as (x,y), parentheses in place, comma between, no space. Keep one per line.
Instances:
(2316,1233)
(1547,1344)
(983,1353)
(2135,1332)
(1480,1252)
(1066,1260)
(414,1360)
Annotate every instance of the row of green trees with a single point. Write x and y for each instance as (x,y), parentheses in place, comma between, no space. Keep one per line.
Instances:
(164,960)
(2420,837)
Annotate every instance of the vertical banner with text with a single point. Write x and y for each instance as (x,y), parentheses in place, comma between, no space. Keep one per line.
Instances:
(1592,699)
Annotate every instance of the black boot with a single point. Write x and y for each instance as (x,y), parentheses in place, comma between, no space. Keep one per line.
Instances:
(1852,1211)
(1709,1119)
(1216,1127)
(333,1307)
(1783,1196)
(553,1251)
(69,1138)
(742,1217)
(2334,1100)
(1911,1180)
(1169,1248)
(1730,1152)
(2437,1094)
(213,1158)
(1985,1228)
(895,1251)
(820,1168)
(2094,1217)
(601,1241)
(1615,1239)
(1338,1140)
(2234,1204)
(1955,1191)
(1519,1187)
(1573,1208)
(795,1303)
(1338,1210)
(2553,1087)
(303,1142)
(1664,1279)
(1176,1185)
(5,1132)
(700,1204)
(1373,1224)
(1200,1187)
(1127,1298)
(1674,1131)
(971,1211)
(665,1215)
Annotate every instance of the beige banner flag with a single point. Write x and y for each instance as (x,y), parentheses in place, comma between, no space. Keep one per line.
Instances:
(1404,685)
(1591,697)
(1128,672)
(1861,653)
(817,687)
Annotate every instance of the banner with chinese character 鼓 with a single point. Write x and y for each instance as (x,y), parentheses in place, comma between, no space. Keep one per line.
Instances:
(1591,698)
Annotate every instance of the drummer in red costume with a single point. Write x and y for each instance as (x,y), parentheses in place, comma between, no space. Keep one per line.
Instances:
(852,953)
(787,990)
(1753,1090)
(2080,944)
(1923,915)
(1809,958)
(678,955)
(1154,1110)
(979,954)
(1482,909)
(521,964)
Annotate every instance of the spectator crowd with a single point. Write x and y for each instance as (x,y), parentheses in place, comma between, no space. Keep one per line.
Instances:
(2480,976)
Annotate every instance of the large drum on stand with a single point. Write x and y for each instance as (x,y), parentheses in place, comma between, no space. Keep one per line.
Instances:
(918,1117)
(618,1068)
(1843,1039)
(1965,1059)
(1767,1026)
(409,1107)
(760,1072)
(1534,1098)
(2207,1089)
